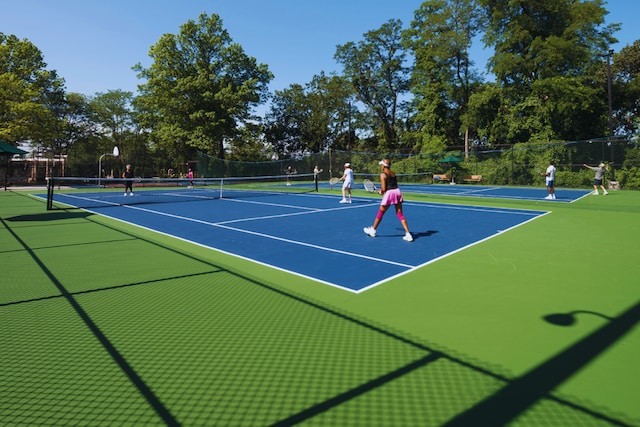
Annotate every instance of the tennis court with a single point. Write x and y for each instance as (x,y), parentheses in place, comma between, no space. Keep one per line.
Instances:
(108,319)
(308,234)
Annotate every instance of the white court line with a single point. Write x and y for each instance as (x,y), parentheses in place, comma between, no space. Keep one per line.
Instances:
(477,191)
(509,211)
(257,218)
(373,285)
(270,204)
(268,236)
(409,268)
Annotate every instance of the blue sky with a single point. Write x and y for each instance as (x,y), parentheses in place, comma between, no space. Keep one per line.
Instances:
(94,43)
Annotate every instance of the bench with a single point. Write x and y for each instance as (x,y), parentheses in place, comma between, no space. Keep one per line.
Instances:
(472,178)
(437,177)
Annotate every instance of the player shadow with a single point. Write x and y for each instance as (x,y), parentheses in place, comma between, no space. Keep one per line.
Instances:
(419,234)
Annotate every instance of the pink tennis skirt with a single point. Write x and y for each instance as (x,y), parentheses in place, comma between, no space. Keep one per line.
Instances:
(392,197)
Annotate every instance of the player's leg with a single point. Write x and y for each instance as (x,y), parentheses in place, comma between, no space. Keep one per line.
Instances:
(407,234)
(371,231)
(344,193)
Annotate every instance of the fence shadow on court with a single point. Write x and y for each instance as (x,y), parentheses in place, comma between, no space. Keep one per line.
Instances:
(365,361)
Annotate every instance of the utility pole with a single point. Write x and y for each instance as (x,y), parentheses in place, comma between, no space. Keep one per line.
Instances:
(609,55)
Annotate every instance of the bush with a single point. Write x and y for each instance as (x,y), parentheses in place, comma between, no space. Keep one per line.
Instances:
(579,179)
(629,178)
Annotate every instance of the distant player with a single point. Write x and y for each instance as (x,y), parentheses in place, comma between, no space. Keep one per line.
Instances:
(347,177)
(550,178)
(128,184)
(289,172)
(599,178)
(190,176)
(316,173)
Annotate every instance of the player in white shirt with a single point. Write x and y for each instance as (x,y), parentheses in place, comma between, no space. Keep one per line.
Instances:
(550,175)
(347,177)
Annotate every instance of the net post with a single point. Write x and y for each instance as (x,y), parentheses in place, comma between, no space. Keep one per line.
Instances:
(49,193)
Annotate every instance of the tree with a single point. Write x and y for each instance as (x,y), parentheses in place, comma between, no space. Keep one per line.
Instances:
(443,78)
(112,111)
(626,88)
(377,71)
(312,118)
(545,61)
(200,87)
(29,93)
(286,120)
(249,145)
(76,135)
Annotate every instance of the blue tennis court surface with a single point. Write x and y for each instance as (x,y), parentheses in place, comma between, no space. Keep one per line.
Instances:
(314,236)
(496,192)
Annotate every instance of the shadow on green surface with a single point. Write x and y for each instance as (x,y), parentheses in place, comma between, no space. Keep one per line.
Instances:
(513,400)
(522,393)
(569,319)
(51,216)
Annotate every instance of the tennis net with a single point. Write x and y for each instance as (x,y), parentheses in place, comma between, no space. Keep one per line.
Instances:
(103,192)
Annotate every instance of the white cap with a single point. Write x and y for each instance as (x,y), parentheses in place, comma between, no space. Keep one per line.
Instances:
(601,165)
(347,165)
(383,163)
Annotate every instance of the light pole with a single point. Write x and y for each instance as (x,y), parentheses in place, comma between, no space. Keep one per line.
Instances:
(115,153)
(609,55)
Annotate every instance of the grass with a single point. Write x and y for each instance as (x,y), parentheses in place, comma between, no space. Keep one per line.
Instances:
(104,323)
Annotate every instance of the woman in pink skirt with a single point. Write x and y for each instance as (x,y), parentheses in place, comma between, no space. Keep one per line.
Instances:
(391,195)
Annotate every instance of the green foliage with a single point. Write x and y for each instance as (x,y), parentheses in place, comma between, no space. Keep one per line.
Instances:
(200,87)
(375,67)
(632,157)
(626,88)
(440,38)
(30,94)
(629,177)
(546,54)
(313,118)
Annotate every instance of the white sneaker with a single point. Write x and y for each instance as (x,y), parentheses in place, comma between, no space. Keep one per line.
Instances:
(548,197)
(553,196)
(370,231)
(605,193)
(131,194)
(408,237)
(343,201)
(595,193)
(125,194)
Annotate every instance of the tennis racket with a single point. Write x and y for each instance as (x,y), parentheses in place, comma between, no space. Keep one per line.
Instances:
(333,181)
(369,186)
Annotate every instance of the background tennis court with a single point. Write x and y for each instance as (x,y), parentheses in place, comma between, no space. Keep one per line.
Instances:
(104,322)
(566,195)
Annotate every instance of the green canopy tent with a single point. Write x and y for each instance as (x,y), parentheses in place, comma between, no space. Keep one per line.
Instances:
(450,160)
(9,151)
